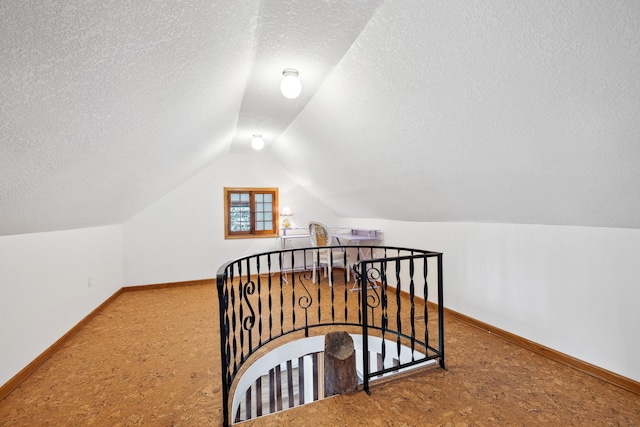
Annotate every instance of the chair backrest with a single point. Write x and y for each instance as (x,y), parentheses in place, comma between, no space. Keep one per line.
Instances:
(320,234)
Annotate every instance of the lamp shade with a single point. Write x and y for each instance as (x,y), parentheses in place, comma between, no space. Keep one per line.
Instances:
(257,142)
(290,86)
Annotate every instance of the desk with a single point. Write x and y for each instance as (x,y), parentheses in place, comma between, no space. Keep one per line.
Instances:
(355,236)
(293,235)
(343,236)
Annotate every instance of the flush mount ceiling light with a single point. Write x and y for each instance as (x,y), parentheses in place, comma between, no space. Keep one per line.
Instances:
(257,142)
(290,86)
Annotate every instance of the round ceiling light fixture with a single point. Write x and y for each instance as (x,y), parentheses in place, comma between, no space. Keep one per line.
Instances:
(290,86)
(257,142)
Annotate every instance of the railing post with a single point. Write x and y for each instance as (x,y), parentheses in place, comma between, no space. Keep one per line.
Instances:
(224,333)
(362,267)
(440,313)
(339,364)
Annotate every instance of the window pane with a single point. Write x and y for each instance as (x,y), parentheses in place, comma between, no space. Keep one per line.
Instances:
(259,197)
(268,197)
(260,226)
(240,213)
(240,219)
(239,199)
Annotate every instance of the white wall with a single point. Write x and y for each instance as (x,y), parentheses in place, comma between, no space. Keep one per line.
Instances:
(181,236)
(573,289)
(44,287)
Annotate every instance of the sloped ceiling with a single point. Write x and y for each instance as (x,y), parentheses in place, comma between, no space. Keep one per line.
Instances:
(413,110)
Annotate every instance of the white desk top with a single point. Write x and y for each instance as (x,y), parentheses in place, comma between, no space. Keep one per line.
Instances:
(291,231)
(354,237)
(353,233)
(294,236)
(342,235)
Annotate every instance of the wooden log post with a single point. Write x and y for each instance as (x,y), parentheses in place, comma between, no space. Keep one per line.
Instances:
(339,364)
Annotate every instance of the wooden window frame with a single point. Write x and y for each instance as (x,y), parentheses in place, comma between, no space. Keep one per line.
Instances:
(252,233)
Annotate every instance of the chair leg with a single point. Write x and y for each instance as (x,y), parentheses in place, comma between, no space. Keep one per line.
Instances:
(313,274)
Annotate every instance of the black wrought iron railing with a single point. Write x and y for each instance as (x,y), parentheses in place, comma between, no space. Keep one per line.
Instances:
(391,296)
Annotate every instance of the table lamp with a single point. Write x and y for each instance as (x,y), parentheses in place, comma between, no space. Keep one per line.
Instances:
(286,212)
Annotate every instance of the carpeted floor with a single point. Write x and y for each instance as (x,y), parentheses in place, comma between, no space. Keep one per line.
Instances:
(152,358)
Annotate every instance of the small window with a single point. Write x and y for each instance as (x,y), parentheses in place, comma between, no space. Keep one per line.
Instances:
(250,212)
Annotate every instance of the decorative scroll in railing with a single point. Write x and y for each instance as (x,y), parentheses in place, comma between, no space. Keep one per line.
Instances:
(391,295)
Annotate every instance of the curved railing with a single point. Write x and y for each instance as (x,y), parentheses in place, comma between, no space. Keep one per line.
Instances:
(266,297)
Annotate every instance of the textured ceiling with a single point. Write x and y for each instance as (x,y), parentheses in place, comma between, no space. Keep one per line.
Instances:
(513,112)
(309,36)
(499,111)
(106,106)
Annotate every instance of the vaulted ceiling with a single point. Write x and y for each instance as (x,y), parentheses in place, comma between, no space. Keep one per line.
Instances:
(496,111)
